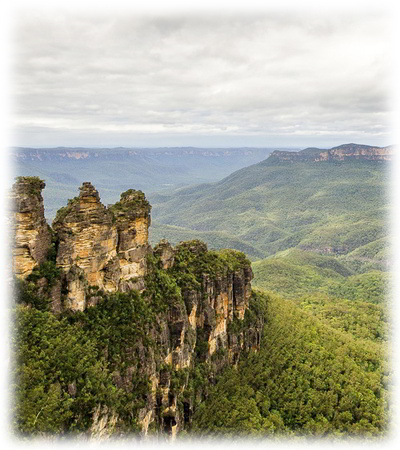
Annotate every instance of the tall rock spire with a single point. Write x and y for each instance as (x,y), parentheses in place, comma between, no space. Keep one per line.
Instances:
(102,247)
(132,216)
(32,237)
(87,245)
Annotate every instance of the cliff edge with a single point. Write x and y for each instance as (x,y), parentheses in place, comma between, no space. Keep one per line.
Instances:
(169,310)
(341,153)
(32,237)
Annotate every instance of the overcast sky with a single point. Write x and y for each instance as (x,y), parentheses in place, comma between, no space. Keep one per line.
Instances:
(256,80)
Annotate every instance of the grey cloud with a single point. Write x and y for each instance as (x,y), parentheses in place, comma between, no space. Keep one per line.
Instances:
(175,79)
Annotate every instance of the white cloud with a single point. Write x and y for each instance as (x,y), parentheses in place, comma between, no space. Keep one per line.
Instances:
(273,77)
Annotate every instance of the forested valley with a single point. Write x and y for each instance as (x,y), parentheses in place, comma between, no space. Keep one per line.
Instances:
(310,355)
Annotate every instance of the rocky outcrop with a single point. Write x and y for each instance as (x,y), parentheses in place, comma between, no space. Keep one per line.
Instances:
(206,327)
(87,245)
(198,298)
(32,238)
(340,153)
(103,423)
(166,253)
(354,151)
(132,218)
(102,247)
(97,246)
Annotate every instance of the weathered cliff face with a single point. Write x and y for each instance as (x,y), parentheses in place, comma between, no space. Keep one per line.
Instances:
(166,253)
(198,301)
(132,217)
(32,238)
(87,245)
(340,153)
(206,327)
(356,152)
(102,247)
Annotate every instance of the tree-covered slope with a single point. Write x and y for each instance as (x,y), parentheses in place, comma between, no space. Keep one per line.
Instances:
(317,234)
(129,355)
(114,170)
(294,273)
(309,378)
(332,207)
(215,239)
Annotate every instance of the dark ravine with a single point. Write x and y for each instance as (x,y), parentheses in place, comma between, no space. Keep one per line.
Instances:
(201,300)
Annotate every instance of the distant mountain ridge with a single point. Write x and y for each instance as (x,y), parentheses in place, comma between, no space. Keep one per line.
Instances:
(114,170)
(330,206)
(27,153)
(339,153)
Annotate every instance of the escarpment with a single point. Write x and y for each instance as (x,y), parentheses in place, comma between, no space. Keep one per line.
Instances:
(32,237)
(166,320)
(341,153)
(107,247)
(132,218)
(207,324)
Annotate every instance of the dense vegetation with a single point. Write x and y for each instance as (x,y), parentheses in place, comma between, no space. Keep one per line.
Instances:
(322,229)
(317,234)
(60,375)
(67,366)
(215,239)
(321,369)
(329,207)
(294,273)
(308,379)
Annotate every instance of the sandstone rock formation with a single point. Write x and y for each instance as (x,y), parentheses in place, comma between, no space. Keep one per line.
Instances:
(340,153)
(32,238)
(201,329)
(166,253)
(103,247)
(87,245)
(132,218)
(204,295)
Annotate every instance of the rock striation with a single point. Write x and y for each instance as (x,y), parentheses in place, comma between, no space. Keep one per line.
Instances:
(206,327)
(340,153)
(200,299)
(32,237)
(87,245)
(102,247)
(132,219)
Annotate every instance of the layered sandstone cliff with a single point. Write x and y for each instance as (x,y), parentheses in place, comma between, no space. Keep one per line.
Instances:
(199,298)
(340,153)
(102,247)
(32,238)
(87,245)
(205,326)
(132,219)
